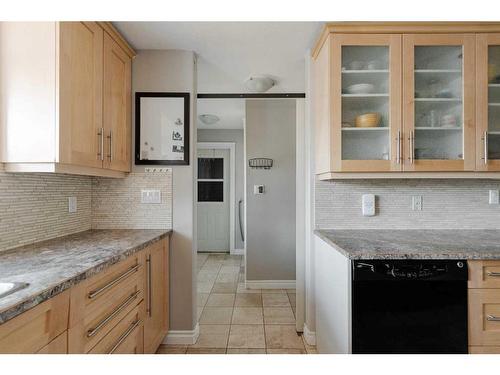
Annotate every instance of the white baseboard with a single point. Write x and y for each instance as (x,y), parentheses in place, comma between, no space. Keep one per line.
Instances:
(309,336)
(237,252)
(270,284)
(182,337)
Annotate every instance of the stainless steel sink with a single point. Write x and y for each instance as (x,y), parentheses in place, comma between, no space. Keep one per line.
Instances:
(9,288)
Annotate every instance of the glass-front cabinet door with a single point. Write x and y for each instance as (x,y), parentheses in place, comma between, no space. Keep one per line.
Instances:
(366,117)
(488,102)
(438,102)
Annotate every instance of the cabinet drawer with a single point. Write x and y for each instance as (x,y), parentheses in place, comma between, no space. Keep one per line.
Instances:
(57,346)
(484,274)
(484,349)
(99,304)
(127,337)
(484,317)
(31,331)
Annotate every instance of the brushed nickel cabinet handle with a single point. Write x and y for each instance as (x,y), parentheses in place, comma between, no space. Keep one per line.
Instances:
(149,307)
(494,274)
(96,292)
(485,143)
(493,318)
(398,149)
(91,332)
(411,145)
(124,336)
(100,151)
(110,137)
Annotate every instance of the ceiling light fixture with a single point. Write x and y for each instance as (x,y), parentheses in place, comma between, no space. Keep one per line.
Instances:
(259,83)
(208,119)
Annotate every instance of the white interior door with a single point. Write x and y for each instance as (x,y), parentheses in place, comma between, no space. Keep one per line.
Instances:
(213,200)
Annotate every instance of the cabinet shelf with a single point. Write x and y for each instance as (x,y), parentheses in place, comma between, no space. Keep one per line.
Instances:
(365,71)
(494,85)
(494,104)
(366,129)
(438,100)
(365,95)
(495,132)
(438,71)
(438,128)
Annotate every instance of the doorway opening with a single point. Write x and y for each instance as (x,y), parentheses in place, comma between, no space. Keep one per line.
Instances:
(257,271)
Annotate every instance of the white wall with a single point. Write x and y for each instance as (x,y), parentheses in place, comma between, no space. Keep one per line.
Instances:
(270,132)
(175,71)
(236,136)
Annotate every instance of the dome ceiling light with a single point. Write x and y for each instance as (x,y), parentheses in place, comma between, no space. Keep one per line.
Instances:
(259,83)
(208,119)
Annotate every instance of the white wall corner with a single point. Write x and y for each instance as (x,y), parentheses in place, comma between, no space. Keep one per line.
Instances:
(309,336)
(182,337)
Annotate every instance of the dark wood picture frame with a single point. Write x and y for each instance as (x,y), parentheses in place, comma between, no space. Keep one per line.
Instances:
(137,151)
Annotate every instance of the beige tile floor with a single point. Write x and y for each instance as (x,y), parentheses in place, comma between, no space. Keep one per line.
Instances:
(235,320)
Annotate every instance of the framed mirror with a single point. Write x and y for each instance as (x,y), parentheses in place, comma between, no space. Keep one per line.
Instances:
(161,128)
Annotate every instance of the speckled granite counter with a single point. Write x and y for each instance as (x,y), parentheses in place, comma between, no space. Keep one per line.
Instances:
(53,266)
(414,244)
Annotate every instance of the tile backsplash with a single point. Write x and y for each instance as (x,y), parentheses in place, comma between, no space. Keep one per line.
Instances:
(34,207)
(453,204)
(116,202)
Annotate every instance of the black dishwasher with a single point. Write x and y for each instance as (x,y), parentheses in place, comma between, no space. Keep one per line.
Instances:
(409,306)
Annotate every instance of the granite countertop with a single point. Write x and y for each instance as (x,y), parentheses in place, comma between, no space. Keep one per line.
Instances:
(414,244)
(53,266)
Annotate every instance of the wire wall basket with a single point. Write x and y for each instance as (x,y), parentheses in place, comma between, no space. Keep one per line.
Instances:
(260,163)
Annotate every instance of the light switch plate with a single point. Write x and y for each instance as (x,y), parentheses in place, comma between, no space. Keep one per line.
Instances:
(72,204)
(416,203)
(258,189)
(150,196)
(494,199)
(368,204)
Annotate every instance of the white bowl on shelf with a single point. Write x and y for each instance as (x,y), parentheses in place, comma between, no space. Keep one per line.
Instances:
(361,88)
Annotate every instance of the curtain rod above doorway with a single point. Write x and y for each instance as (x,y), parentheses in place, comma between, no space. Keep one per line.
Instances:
(252,96)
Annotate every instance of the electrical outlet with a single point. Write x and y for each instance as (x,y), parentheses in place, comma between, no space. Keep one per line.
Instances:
(258,189)
(150,196)
(416,203)
(72,204)
(156,170)
(368,204)
(494,199)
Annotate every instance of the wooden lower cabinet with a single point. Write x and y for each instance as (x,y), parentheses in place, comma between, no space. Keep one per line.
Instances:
(122,310)
(34,329)
(484,307)
(156,319)
(57,346)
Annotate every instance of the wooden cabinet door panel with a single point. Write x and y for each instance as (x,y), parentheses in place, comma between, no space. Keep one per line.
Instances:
(438,102)
(156,320)
(80,93)
(57,346)
(372,60)
(117,106)
(484,317)
(484,273)
(31,331)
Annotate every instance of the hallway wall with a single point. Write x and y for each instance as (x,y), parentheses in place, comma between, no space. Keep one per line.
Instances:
(270,133)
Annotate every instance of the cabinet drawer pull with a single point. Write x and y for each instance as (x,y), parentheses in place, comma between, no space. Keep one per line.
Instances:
(149,306)
(124,336)
(485,144)
(493,318)
(91,332)
(494,274)
(100,151)
(96,292)
(110,138)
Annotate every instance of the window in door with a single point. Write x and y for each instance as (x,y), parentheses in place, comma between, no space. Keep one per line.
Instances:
(210,180)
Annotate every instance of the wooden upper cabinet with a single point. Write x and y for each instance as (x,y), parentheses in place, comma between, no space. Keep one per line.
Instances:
(80,89)
(438,102)
(488,102)
(76,77)
(366,102)
(117,106)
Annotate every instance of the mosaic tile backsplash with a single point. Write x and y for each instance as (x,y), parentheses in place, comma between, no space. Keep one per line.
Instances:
(447,204)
